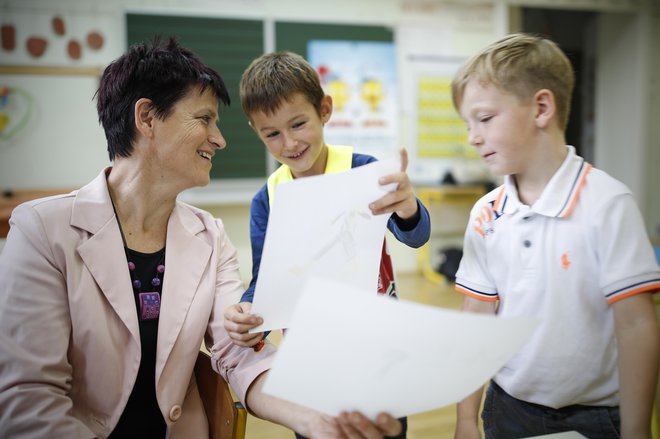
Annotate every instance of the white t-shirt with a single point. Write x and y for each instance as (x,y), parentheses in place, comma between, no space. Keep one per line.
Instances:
(581,247)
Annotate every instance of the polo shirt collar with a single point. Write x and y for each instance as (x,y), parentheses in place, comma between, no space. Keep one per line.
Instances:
(559,196)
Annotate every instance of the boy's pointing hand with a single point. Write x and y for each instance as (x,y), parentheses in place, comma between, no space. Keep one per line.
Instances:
(402,200)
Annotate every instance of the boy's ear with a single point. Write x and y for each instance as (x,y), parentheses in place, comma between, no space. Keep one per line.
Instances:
(544,103)
(326,108)
(144,116)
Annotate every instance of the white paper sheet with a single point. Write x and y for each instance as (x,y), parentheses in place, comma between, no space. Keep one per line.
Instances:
(321,225)
(348,350)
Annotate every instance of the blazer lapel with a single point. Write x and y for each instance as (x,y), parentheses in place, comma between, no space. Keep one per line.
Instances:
(186,259)
(103,253)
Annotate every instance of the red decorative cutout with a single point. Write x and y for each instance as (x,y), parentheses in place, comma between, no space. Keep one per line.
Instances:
(74,49)
(36,46)
(95,40)
(8,32)
(58,26)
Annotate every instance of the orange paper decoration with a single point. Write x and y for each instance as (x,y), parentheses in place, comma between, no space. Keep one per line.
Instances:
(74,49)
(36,46)
(94,40)
(58,25)
(8,32)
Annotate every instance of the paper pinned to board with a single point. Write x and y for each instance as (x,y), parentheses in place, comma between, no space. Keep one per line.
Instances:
(348,349)
(321,226)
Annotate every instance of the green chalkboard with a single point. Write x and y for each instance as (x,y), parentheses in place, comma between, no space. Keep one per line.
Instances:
(295,36)
(227,45)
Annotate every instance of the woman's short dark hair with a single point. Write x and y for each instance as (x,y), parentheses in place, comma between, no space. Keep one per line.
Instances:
(162,72)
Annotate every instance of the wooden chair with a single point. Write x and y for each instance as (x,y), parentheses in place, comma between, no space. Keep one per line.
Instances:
(227,418)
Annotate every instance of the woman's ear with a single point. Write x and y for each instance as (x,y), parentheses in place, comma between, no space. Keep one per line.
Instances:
(326,108)
(546,110)
(144,116)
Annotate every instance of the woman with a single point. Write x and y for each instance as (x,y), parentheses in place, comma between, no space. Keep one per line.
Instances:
(106,293)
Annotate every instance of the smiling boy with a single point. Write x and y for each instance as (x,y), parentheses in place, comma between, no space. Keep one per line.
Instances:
(287,108)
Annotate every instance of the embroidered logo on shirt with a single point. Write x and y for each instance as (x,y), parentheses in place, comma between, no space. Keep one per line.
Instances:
(483,223)
(565,262)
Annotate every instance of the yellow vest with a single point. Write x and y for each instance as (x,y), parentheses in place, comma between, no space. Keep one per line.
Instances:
(340,159)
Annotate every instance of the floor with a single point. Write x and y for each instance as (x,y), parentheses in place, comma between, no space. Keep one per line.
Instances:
(432,424)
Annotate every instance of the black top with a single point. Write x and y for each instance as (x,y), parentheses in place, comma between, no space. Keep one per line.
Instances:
(142,417)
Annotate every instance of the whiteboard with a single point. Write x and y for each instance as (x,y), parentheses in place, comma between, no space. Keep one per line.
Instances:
(60,143)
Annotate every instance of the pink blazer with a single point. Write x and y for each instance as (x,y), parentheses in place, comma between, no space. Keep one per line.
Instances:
(69,340)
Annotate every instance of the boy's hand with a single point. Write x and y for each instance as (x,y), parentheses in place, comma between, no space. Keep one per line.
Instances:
(238,321)
(402,200)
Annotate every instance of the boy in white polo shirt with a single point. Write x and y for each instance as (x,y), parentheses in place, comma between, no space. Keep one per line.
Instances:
(560,241)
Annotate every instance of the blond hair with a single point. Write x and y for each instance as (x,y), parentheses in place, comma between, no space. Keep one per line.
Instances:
(275,77)
(521,64)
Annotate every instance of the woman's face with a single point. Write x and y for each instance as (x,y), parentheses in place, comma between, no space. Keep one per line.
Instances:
(185,141)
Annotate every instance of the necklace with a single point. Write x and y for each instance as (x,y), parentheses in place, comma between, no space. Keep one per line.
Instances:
(148,302)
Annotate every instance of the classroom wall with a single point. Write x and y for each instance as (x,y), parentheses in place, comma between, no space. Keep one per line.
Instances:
(67,161)
(652,183)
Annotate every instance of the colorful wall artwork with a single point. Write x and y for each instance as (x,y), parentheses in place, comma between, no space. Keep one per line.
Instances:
(361,78)
(16,106)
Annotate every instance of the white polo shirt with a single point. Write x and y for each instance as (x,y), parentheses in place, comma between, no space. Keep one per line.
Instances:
(581,247)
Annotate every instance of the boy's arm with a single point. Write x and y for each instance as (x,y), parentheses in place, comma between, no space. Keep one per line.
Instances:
(259,212)
(238,320)
(410,222)
(638,342)
(413,232)
(467,410)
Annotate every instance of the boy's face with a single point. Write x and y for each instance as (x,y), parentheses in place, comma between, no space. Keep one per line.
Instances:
(294,134)
(501,127)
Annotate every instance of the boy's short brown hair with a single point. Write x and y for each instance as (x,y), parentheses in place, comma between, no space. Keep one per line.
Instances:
(521,64)
(275,77)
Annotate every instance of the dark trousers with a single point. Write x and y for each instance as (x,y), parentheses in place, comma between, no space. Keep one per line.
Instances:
(404,429)
(506,417)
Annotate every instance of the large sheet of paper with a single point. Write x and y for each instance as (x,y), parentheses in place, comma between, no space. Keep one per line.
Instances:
(346,350)
(321,226)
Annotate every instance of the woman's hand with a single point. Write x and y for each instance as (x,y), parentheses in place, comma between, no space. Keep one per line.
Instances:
(356,425)
(352,425)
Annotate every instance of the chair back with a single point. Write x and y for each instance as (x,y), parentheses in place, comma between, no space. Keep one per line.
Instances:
(227,418)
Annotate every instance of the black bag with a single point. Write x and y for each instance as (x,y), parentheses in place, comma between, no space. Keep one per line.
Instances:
(450,258)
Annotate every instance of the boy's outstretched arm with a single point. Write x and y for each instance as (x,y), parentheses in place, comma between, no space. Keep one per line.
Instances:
(402,200)
(238,321)
(638,341)
(467,410)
